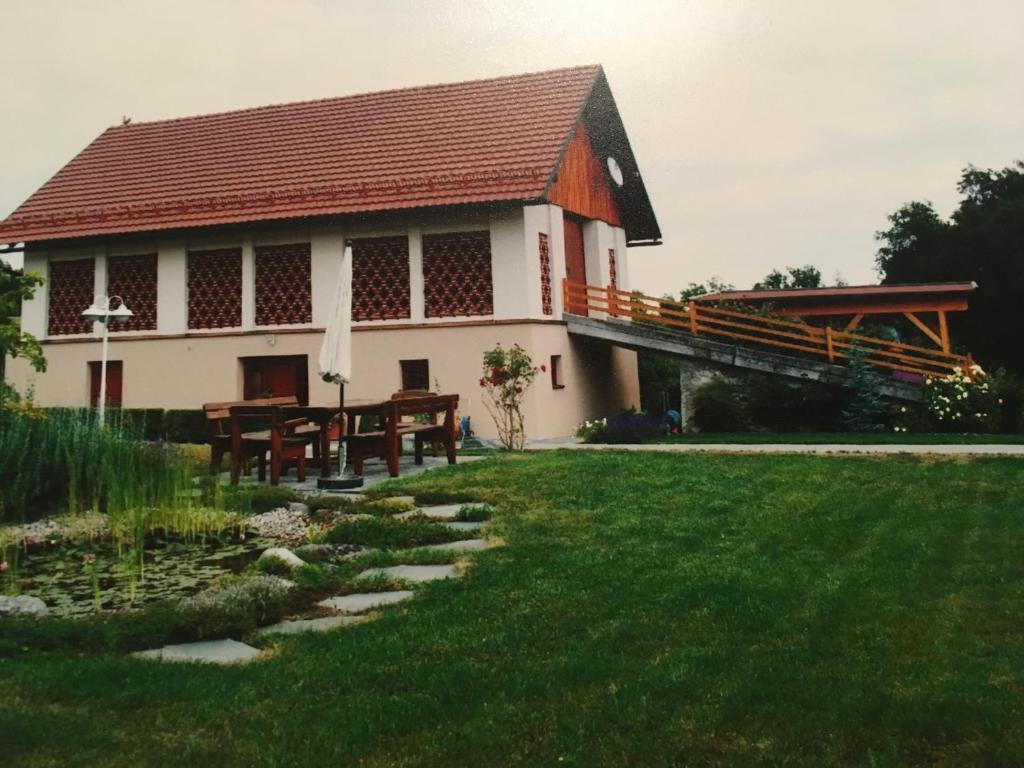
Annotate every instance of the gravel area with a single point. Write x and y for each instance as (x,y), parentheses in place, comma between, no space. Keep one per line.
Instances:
(89,525)
(286,525)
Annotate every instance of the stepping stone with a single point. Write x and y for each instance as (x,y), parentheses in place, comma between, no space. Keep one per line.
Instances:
(208,651)
(305,625)
(416,573)
(440,512)
(464,525)
(466,545)
(364,601)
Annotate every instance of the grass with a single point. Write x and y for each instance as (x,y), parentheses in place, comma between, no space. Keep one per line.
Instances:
(387,533)
(647,610)
(851,438)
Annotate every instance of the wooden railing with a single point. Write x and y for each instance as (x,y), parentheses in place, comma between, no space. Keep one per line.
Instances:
(794,336)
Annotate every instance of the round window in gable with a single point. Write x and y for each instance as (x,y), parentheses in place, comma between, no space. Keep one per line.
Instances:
(615,172)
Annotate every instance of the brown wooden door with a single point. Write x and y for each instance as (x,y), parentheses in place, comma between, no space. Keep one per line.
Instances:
(276,376)
(575,263)
(115,383)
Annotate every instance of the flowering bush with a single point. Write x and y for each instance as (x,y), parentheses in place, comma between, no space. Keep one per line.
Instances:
(507,374)
(589,430)
(962,401)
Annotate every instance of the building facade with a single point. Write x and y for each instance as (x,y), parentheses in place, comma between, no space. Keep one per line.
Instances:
(231,285)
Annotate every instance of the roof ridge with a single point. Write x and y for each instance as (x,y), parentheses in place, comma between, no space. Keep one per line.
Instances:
(388,91)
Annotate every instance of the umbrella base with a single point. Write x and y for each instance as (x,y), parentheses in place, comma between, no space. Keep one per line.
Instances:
(341,483)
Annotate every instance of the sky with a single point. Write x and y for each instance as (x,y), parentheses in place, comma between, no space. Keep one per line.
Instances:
(768,133)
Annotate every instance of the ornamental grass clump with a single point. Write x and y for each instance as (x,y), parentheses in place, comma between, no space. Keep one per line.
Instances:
(963,401)
(507,374)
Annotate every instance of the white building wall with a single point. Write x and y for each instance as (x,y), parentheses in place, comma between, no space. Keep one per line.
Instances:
(171,288)
(33,311)
(163,372)
(622,259)
(508,266)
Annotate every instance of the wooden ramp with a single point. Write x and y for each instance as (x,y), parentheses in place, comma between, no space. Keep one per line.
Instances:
(747,340)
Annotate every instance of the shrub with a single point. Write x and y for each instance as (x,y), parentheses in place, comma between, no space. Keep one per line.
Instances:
(186,426)
(630,427)
(778,405)
(589,431)
(236,605)
(328,503)
(258,499)
(506,377)
(716,408)
(962,403)
(866,411)
(1009,393)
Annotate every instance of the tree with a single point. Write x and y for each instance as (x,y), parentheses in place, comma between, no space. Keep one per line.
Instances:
(16,287)
(983,241)
(714,285)
(807,276)
(866,409)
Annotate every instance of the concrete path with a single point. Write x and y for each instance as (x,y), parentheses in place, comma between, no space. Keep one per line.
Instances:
(209,652)
(463,545)
(437,512)
(305,625)
(364,601)
(415,573)
(803,448)
(468,525)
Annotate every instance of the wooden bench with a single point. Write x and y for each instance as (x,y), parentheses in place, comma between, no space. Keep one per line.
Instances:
(386,443)
(218,417)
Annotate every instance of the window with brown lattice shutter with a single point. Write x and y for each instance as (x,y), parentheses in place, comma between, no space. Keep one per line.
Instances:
(215,288)
(283,284)
(71,293)
(133,278)
(380,278)
(545,274)
(457,274)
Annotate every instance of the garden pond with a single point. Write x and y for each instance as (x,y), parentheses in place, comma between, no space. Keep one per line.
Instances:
(75,578)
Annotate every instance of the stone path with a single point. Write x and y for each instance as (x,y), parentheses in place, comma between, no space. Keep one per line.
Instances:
(414,573)
(364,601)
(438,512)
(305,625)
(348,609)
(463,526)
(465,545)
(208,652)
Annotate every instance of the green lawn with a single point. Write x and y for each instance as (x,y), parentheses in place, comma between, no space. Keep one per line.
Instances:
(646,610)
(851,438)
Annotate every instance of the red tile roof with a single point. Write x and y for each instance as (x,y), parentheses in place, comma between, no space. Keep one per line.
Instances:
(480,141)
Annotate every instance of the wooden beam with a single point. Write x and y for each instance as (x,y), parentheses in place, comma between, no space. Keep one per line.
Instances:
(924,328)
(943,330)
(854,322)
(868,308)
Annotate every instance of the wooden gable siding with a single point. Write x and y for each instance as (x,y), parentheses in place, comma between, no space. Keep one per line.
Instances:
(581,185)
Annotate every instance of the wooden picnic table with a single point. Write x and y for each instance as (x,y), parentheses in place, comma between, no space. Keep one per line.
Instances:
(384,442)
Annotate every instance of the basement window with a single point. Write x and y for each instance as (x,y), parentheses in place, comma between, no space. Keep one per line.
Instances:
(415,375)
(556,372)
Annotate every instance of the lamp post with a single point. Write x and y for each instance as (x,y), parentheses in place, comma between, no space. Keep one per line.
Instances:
(100,312)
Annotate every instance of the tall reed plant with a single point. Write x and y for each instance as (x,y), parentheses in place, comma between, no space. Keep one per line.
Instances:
(64,460)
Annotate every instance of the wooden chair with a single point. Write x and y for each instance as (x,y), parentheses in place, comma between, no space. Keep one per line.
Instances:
(386,443)
(280,441)
(218,417)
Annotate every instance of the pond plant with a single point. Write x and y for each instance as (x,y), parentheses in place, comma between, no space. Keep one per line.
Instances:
(130,495)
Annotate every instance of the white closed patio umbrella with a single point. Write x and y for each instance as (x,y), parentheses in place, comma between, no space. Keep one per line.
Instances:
(335,360)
